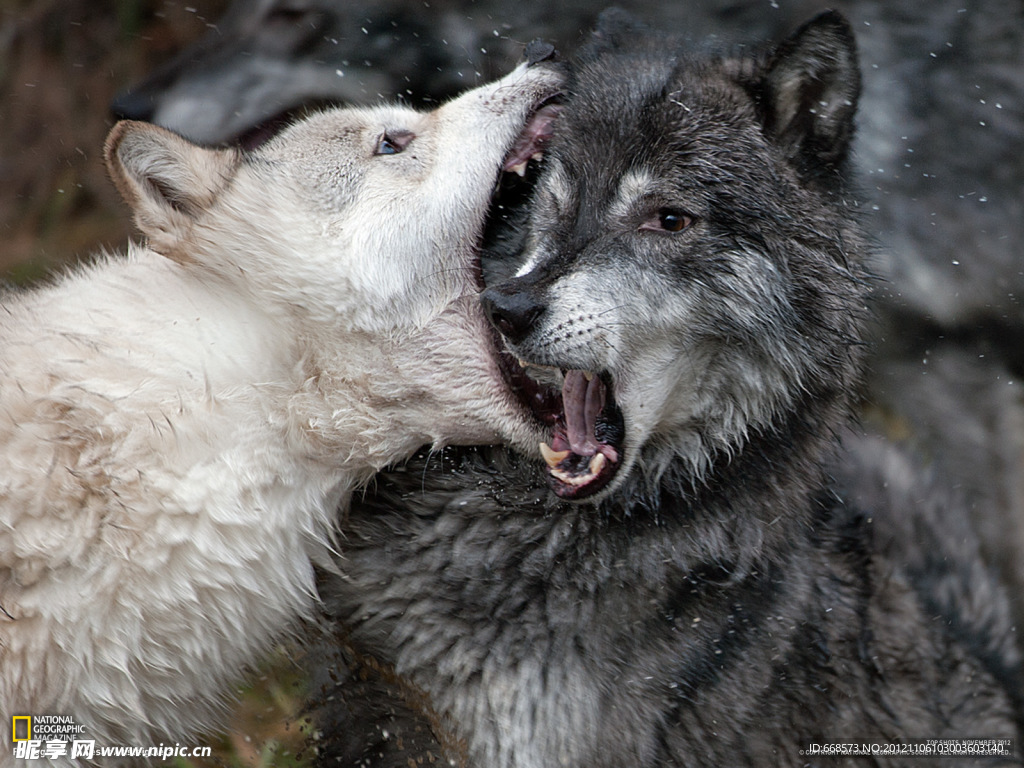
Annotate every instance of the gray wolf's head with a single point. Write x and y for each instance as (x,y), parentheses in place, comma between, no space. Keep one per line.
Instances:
(692,269)
(358,229)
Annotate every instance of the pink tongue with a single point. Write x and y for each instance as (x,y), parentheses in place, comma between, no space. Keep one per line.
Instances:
(583,401)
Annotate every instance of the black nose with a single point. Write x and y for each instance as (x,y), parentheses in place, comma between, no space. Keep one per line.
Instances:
(511,310)
(537,51)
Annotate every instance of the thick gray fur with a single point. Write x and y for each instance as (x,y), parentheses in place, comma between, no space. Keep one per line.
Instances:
(758,577)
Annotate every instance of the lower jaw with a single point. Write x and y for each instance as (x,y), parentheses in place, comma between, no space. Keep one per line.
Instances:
(578,493)
(599,475)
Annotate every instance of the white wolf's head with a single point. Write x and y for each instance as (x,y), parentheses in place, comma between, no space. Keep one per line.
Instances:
(359,229)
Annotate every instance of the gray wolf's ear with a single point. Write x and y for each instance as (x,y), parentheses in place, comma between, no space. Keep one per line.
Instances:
(813,83)
(167,180)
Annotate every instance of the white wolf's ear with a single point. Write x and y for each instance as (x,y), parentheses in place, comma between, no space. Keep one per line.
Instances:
(813,83)
(167,180)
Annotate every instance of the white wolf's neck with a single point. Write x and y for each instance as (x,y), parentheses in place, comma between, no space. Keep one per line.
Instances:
(200,341)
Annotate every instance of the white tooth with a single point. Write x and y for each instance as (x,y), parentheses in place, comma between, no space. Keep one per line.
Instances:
(519,168)
(522,363)
(597,462)
(537,156)
(552,457)
(588,375)
(570,479)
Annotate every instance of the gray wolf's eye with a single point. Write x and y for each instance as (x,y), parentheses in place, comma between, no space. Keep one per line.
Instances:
(393,142)
(668,220)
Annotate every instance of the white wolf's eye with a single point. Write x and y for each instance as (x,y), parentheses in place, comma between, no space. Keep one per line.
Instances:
(668,220)
(393,142)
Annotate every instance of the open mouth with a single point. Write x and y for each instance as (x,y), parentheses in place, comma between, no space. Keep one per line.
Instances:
(587,433)
(535,134)
(516,179)
(587,429)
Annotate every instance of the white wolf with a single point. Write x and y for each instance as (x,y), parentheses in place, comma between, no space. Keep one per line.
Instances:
(178,426)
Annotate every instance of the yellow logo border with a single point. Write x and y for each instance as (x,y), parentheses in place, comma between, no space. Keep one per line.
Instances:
(14,727)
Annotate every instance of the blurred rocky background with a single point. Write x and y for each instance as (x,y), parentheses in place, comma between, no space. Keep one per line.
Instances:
(61,64)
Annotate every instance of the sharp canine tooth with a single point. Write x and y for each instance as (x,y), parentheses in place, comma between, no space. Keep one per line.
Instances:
(519,168)
(552,457)
(597,463)
(588,375)
(537,156)
(522,363)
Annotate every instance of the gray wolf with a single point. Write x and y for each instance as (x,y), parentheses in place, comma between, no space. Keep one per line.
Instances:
(178,425)
(708,566)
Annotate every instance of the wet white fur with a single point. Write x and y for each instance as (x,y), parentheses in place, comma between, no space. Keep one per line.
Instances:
(179,424)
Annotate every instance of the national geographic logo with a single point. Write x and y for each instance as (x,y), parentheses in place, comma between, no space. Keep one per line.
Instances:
(45,728)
